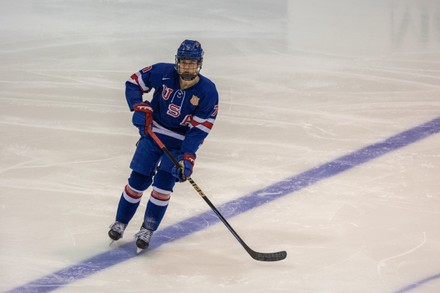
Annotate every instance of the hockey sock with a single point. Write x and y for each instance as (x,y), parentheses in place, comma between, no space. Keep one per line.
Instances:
(156,208)
(128,204)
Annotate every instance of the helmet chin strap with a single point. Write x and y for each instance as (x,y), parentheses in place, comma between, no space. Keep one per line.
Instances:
(187,76)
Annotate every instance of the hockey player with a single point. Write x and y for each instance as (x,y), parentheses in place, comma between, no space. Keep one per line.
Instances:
(181,112)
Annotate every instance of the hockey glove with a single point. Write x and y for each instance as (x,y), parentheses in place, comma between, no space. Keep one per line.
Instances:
(143,115)
(187,163)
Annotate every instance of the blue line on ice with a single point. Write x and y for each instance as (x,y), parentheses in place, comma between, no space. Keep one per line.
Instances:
(250,201)
(418,284)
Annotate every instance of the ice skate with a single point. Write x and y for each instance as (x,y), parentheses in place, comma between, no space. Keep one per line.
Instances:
(143,239)
(116,230)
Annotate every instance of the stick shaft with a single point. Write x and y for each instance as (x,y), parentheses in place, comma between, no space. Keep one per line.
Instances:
(275,256)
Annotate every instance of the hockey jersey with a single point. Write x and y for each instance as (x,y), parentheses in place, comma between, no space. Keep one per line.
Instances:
(185,115)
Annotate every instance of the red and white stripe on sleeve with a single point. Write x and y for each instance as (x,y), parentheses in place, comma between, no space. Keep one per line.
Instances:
(136,79)
(204,125)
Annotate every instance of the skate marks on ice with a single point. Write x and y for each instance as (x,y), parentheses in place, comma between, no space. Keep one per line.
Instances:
(250,201)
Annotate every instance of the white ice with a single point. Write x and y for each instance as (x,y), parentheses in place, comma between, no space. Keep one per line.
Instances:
(301,83)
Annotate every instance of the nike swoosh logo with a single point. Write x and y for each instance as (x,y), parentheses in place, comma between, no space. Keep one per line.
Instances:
(165,78)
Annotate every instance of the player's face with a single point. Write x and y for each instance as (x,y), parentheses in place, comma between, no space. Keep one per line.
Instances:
(188,66)
(188,69)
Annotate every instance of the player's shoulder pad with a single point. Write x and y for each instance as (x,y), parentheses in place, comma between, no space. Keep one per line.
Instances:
(207,82)
(162,67)
(153,74)
(158,68)
(208,86)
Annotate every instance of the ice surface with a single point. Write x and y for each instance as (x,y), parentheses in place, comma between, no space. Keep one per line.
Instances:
(301,83)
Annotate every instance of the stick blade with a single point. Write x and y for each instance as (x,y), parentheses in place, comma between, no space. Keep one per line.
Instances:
(271,256)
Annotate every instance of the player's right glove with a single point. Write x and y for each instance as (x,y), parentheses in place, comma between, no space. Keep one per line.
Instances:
(143,115)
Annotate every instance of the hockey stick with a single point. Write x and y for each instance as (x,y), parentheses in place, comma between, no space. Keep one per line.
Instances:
(261,256)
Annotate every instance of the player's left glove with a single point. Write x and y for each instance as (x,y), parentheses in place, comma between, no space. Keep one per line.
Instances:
(184,172)
(143,115)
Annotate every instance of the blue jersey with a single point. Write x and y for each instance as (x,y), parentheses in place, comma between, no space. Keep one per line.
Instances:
(185,115)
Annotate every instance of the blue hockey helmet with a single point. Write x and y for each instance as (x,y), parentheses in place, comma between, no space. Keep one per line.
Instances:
(189,50)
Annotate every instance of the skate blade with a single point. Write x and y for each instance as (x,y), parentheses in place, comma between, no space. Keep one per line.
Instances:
(139,250)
